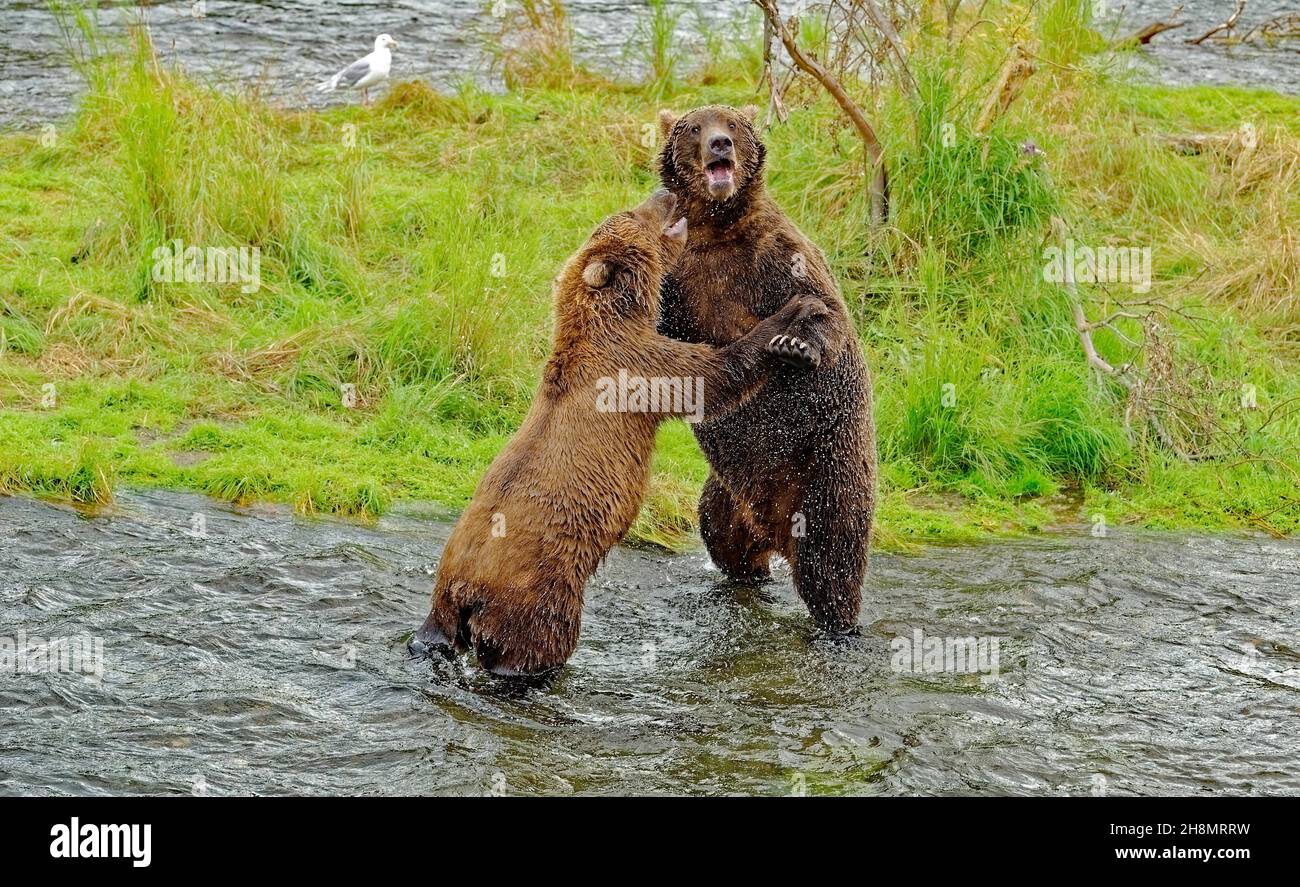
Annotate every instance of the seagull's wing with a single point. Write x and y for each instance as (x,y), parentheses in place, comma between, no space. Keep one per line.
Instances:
(353,73)
(349,76)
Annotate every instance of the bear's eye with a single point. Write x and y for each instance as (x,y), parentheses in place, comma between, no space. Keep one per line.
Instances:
(731,126)
(695,130)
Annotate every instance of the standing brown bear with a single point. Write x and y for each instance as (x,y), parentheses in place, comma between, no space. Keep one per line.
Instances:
(570,482)
(793,470)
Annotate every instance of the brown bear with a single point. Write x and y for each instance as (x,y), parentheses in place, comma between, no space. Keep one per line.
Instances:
(793,470)
(570,482)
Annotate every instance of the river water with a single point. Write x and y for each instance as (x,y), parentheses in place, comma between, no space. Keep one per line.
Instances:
(250,651)
(289,45)
(1170,58)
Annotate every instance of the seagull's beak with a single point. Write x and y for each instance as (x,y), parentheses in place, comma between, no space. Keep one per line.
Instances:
(392,43)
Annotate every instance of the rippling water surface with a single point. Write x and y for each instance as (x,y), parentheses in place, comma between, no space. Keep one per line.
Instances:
(289,45)
(1171,58)
(267,656)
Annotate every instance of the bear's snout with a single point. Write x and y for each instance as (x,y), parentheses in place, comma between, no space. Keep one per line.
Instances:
(660,205)
(718,159)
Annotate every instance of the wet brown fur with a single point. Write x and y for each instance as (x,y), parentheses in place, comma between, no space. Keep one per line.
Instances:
(793,470)
(570,482)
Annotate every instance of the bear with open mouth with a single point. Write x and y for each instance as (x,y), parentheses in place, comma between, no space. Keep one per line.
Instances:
(570,482)
(792,470)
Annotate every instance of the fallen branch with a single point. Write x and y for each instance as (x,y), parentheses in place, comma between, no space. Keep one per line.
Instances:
(1084,328)
(1282,27)
(1226,25)
(1193,143)
(1126,375)
(1081,323)
(1144,36)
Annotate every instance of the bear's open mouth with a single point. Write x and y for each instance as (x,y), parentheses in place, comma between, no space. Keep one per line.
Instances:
(720,172)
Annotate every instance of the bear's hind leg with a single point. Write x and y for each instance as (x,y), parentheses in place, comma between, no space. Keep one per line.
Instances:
(738,547)
(522,636)
(830,552)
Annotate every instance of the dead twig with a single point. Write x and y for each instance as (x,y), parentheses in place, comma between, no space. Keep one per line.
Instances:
(1127,376)
(875,154)
(886,27)
(1281,27)
(1019,67)
(1225,26)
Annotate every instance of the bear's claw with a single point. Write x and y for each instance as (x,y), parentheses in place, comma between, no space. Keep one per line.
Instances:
(427,640)
(794,351)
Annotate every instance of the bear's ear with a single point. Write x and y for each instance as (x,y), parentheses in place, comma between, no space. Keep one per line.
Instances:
(667,120)
(597,274)
(749,112)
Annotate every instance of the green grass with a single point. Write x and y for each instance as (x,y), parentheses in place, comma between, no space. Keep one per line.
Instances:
(662,54)
(407,251)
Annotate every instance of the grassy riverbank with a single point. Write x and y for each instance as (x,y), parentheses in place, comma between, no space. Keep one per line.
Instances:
(406,252)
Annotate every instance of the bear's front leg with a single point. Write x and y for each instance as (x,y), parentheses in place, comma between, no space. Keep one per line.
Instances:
(513,631)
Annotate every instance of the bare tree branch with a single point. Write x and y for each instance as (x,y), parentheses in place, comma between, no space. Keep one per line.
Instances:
(1281,27)
(879,189)
(1226,25)
(886,27)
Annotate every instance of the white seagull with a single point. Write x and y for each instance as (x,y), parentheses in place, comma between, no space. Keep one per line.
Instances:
(364,72)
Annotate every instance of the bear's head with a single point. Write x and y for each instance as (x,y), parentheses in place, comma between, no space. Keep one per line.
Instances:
(711,157)
(622,265)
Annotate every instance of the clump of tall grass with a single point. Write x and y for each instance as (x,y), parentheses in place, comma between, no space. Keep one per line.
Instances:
(197,165)
(1263,280)
(201,167)
(728,52)
(419,102)
(77,23)
(963,408)
(1065,30)
(962,190)
(18,333)
(531,45)
(83,474)
(659,32)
